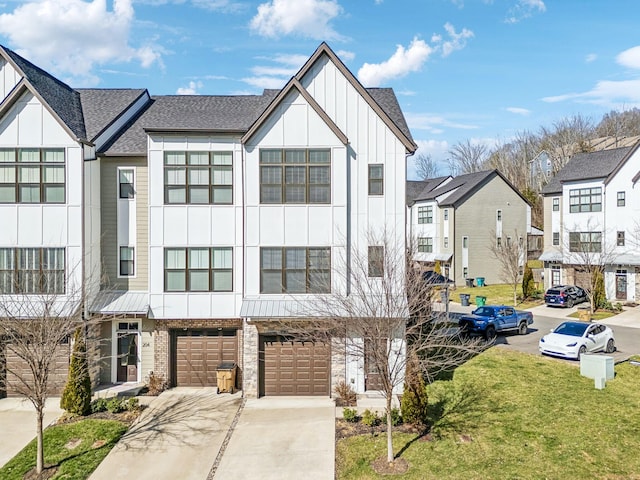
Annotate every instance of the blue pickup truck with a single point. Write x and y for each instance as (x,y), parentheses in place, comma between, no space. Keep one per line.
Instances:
(490,320)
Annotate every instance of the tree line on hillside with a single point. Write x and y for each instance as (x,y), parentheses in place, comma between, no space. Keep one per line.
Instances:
(513,158)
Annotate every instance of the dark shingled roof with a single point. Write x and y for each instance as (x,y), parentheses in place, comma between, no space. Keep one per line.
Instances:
(190,113)
(386,98)
(416,189)
(463,185)
(62,99)
(586,166)
(101,106)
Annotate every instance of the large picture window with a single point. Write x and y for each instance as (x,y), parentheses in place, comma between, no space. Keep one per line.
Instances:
(204,178)
(585,200)
(295,176)
(198,269)
(425,214)
(425,244)
(32,175)
(586,242)
(295,270)
(32,270)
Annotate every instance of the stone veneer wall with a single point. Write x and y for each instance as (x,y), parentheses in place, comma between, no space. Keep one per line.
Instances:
(250,360)
(338,364)
(162,339)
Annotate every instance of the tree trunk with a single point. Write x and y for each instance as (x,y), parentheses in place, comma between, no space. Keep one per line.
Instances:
(389,431)
(515,295)
(40,443)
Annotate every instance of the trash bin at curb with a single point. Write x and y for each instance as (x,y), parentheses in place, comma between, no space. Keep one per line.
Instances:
(464,299)
(480,300)
(226,377)
(480,281)
(469,282)
(584,313)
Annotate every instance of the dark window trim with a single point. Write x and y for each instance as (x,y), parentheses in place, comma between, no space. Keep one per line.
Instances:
(41,184)
(309,286)
(126,189)
(14,276)
(127,265)
(211,269)
(425,244)
(375,260)
(586,242)
(425,214)
(585,200)
(375,181)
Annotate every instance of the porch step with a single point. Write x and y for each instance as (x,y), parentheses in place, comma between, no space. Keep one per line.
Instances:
(118,390)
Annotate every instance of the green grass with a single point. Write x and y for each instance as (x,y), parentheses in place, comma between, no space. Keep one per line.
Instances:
(96,439)
(597,316)
(528,417)
(500,294)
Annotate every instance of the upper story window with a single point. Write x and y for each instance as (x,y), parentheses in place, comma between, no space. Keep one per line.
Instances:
(556,204)
(498,215)
(620,238)
(585,242)
(556,238)
(198,178)
(425,244)
(446,242)
(127,260)
(585,200)
(376,261)
(295,176)
(295,270)
(32,270)
(125,183)
(198,269)
(465,242)
(621,198)
(425,214)
(32,175)
(376,179)
(446,214)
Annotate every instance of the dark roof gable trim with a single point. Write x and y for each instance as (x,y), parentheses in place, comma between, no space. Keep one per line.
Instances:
(145,92)
(294,84)
(324,49)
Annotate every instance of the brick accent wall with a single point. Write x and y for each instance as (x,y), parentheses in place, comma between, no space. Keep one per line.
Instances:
(338,364)
(162,338)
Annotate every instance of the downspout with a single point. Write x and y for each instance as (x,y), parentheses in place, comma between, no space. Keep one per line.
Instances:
(348,213)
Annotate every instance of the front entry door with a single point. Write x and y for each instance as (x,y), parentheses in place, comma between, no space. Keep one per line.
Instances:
(621,285)
(127,357)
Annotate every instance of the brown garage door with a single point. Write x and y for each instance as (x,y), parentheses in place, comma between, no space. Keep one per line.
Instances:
(294,368)
(197,354)
(16,370)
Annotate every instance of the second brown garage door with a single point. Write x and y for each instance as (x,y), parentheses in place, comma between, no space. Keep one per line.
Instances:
(197,354)
(294,368)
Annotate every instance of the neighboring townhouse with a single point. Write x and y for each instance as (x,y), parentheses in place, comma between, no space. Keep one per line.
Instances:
(207,220)
(592,205)
(454,221)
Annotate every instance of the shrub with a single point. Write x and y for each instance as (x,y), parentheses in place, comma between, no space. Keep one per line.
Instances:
(350,415)
(347,395)
(132,404)
(414,402)
(76,396)
(156,384)
(599,295)
(99,405)
(370,418)
(396,418)
(528,286)
(116,405)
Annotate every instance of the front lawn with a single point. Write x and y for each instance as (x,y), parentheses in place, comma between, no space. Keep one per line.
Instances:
(498,294)
(76,448)
(509,415)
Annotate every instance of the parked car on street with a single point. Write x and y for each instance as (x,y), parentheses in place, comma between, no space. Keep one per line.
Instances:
(572,339)
(564,296)
(489,320)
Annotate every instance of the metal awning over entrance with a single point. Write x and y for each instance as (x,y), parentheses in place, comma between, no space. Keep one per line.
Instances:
(121,302)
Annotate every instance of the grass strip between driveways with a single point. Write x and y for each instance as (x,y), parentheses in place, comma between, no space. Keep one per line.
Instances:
(77,448)
(509,415)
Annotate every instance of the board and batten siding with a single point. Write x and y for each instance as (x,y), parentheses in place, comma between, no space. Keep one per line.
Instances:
(109,193)
(476,219)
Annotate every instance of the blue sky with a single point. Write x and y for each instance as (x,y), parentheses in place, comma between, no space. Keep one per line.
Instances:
(461,69)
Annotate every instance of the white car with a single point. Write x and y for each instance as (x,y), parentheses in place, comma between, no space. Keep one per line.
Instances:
(572,339)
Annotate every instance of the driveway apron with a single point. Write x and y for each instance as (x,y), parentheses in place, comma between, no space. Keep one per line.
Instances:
(18,424)
(177,437)
(282,438)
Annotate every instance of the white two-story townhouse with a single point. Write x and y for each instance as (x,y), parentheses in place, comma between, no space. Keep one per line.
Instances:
(454,221)
(49,189)
(203,219)
(592,202)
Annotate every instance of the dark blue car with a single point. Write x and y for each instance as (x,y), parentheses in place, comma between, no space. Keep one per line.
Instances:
(564,296)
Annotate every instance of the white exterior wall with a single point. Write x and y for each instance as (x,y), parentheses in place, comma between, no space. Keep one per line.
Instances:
(193,226)
(419,230)
(29,124)
(9,78)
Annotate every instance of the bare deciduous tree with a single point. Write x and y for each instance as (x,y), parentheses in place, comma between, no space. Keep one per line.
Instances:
(510,252)
(565,138)
(468,157)
(426,167)
(379,314)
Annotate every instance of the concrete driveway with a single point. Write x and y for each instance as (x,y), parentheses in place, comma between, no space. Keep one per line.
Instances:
(177,436)
(283,438)
(18,424)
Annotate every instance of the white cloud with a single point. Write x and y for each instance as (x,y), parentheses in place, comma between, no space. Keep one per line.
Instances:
(192,89)
(592,57)
(275,76)
(518,111)
(304,18)
(228,6)
(608,93)
(457,40)
(265,82)
(71,37)
(524,9)
(433,122)
(345,55)
(402,62)
(630,58)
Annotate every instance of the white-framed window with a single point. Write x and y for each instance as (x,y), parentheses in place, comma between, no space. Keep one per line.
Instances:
(465,272)
(556,204)
(585,200)
(620,238)
(195,269)
(425,214)
(465,242)
(32,270)
(556,238)
(295,270)
(127,262)
(446,242)
(376,179)
(499,215)
(425,244)
(446,214)
(126,188)
(198,178)
(498,242)
(621,199)
(32,175)
(585,242)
